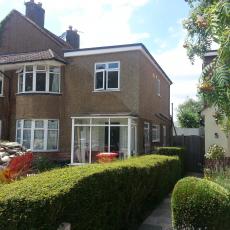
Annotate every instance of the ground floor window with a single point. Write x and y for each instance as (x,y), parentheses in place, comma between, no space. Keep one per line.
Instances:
(93,135)
(38,135)
(155,133)
(147,144)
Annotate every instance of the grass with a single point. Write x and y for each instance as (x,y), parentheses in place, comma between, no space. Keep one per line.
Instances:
(222,178)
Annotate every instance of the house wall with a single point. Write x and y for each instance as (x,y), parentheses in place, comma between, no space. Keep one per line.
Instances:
(150,103)
(211,128)
(21,36)
(79,96)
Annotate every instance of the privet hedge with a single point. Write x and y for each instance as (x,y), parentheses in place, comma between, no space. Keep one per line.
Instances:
(108,196)
(173,151)
(200,204)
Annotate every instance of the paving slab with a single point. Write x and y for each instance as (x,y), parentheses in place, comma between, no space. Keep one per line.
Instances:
(160,218)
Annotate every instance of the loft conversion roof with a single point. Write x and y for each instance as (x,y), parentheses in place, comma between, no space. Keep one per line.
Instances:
(115,49)
(29,57)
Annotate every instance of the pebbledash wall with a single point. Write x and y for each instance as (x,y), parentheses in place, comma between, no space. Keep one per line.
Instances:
(137,96)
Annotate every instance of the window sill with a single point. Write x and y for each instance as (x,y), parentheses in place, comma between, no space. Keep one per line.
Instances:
(45,151)
(106,91)
(1,96)
(38,93)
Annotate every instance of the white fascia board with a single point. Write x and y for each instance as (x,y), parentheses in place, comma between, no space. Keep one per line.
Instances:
(101,51)
(80,53)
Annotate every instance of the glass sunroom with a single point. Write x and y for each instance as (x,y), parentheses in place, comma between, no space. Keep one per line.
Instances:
(107,134)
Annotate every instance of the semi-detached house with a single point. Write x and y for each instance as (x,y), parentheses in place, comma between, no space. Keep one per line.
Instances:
(69,103)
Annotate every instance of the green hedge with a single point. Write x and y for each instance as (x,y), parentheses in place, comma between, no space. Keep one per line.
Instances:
(107,196)
(173,151)
(200,204)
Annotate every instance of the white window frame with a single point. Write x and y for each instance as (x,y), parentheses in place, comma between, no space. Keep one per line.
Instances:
(156,129)
(105,76)
(32,129)
(47,72)
(2,88)
(131,122)
(158,87)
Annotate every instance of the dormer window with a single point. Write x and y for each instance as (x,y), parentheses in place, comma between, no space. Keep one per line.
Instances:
(39,79)
(107,76)
(1,85)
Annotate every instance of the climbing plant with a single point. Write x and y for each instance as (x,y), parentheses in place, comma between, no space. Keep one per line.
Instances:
(209,22)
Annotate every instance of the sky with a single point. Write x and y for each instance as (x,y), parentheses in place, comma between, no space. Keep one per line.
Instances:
(155,23)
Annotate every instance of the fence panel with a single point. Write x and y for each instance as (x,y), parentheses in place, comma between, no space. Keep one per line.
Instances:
(194,158)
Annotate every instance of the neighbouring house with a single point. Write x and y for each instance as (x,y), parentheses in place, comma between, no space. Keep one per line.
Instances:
(213,132)
(69,103)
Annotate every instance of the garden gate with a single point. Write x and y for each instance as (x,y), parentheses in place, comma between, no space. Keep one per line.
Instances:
(194,157)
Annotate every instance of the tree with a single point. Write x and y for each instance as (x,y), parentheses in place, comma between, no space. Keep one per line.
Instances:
(208,22)
(189,114)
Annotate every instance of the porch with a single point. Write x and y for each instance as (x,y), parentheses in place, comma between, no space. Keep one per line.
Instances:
(92,135)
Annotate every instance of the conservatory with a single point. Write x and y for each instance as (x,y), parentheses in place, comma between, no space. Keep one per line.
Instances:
(108,134)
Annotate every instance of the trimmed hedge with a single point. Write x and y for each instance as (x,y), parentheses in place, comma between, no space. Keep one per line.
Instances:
(173,151)
(107,196)
(200,204)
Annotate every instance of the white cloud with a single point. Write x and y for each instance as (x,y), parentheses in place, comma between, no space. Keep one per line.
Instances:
(104,22)
(183,74)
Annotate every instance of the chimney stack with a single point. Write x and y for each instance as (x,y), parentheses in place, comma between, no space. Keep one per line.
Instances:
(73,38)
(35,12)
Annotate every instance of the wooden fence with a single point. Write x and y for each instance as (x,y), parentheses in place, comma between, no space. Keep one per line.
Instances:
(194,157)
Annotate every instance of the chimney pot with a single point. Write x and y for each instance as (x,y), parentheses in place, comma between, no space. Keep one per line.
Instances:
(73,38)
(35,12)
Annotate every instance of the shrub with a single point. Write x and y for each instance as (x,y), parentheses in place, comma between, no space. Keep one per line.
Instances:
(215,152)
(200,204)
(173,151)
(99,196)
(42,163)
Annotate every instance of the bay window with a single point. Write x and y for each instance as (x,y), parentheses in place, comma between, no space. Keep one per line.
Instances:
(107,76)
(38,135)
(39,78)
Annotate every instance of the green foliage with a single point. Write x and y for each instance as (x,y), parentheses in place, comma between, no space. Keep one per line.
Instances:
(209,21)
(215,152)
(42,164)
(173,151)
(189,114)
(98,196)
(200,204)
(221,177)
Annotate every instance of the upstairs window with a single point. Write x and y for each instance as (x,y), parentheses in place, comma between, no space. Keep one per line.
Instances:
(1,85)
(107,76)
(39,78)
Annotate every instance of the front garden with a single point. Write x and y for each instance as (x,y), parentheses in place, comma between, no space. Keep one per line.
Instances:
(204,203)
(115,195)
